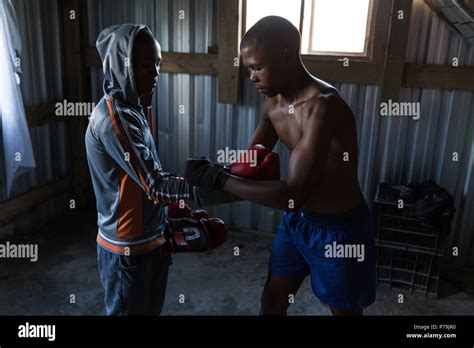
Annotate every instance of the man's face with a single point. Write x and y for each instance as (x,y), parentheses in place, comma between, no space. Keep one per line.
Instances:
(264,72)
(146,65)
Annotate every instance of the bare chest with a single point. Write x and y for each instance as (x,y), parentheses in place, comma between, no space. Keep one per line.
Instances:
(288,127)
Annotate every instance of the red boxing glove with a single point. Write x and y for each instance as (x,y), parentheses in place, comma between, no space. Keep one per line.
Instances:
(199,214)
(270,167)
(216,232)
(176,212)
(189,235)
(265,167)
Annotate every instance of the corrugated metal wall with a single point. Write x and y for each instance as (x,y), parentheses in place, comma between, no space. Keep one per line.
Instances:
(446,126)
(39,24)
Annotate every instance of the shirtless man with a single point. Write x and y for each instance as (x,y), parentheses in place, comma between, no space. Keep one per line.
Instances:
(327,218)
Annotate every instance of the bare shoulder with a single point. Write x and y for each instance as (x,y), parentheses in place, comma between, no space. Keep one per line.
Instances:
(322,107)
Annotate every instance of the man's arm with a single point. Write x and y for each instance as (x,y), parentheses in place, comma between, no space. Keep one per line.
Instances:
(265,133)
(123,140)
(304,168)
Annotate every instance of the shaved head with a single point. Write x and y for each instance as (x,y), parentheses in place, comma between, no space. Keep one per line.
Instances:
(274,34)
(270,51)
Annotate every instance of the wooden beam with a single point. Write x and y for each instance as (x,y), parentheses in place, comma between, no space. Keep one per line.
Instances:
(392,74)
(396,50)
(469,4)
(173,62)
(334,71)
(229,32)
(191,63)
(74,28)
(381,27)
(38,115)
(435,76)
(23,204)
(414,75)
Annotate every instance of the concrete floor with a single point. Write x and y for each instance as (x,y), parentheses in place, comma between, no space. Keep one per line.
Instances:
(216,283)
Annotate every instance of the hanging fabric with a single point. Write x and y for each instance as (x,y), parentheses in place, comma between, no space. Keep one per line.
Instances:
(18,152)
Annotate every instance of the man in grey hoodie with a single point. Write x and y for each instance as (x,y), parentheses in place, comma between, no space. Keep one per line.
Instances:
(130,186)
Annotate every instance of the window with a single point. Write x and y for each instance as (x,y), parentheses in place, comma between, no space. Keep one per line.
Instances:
(336,27)
(327,27)
(257,9)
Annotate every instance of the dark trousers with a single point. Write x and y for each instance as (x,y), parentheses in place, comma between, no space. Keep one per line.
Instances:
(135,284)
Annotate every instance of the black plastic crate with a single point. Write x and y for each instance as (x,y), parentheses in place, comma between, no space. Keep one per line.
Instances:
(409,231)
(408,270)
(387,194)
(409,249)
(396,226)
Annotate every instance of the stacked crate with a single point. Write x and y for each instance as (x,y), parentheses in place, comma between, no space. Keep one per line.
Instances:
(409,249)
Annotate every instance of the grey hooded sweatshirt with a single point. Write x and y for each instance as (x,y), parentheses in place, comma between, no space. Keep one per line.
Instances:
(123,160)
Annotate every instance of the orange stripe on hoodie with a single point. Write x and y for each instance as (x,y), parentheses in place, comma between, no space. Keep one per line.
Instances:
(131,249)
(130,206)
(126,145)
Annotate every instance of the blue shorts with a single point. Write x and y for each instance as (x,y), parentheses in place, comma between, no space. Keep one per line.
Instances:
(337,250)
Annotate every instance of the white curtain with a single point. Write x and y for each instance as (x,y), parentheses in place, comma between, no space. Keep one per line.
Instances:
(18,152)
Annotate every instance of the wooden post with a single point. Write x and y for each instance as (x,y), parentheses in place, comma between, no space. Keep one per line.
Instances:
(229,32)
(77,87)
(396,49)
(394,64)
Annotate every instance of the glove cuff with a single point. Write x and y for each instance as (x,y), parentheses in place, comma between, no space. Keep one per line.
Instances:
(221,179)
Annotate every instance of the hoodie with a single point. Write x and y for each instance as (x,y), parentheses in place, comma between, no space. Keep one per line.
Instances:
(123,160)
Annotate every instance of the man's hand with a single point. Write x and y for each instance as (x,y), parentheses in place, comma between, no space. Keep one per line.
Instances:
(203,173)
(168,188)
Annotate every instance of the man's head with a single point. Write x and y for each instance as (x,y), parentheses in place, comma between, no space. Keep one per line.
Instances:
(271,51)
(146,62)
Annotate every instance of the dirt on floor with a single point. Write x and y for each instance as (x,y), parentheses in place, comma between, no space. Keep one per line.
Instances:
(65,280)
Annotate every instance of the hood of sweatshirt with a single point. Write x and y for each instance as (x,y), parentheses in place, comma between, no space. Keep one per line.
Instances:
(115,46)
